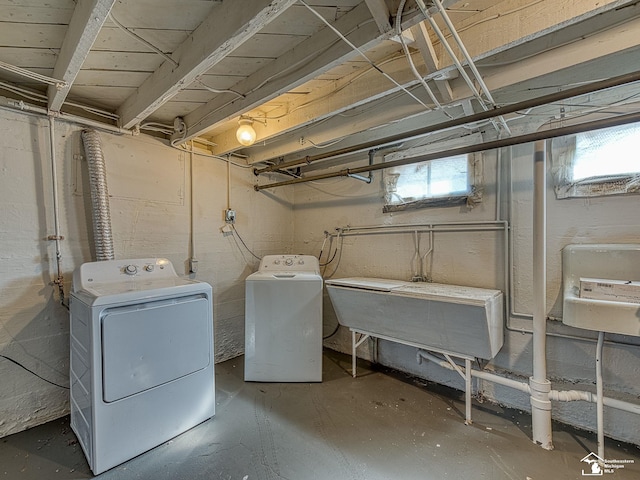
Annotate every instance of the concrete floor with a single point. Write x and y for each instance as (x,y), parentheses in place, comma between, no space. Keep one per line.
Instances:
(380,426)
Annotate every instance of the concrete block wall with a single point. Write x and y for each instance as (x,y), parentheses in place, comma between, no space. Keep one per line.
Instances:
(476,259)
(150,193)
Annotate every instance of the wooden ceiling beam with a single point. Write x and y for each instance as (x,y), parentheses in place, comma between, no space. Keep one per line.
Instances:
(224,30)
(314,56)
(84,27)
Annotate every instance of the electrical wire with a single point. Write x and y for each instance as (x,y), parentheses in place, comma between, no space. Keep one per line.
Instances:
(216,90)
(407,54)
(339,245)
(362,54)
(137,37)
(285,71)
(33,76)
(335,330)
(242,241)
(38,97)
(325,145)
(32,372)
(344,85)
(211,155)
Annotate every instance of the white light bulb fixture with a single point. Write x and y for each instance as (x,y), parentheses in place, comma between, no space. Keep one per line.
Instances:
(245,134)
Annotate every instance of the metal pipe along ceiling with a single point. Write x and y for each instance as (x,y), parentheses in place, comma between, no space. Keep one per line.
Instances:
(505,142)
(484,115)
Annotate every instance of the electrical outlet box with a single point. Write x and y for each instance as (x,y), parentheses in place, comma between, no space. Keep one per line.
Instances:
(230,216)
(193,265)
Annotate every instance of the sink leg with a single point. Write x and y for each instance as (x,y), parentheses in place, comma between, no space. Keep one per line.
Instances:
(353,353)
(467,396)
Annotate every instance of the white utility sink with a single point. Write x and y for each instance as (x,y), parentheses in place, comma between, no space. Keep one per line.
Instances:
(606,261)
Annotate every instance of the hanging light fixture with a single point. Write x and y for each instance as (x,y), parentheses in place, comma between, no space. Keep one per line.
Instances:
(245,134)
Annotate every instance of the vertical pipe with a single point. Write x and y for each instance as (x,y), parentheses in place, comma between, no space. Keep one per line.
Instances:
(353,353)
(600,395)
(56,213)
(467,392)
(540,385)
(193,263)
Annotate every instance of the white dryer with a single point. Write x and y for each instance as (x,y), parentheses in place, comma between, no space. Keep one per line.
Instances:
(142,364)
(283,320)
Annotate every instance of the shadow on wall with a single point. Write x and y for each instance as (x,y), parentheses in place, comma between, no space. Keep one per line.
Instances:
(36,324)
(38,334)
(82,188)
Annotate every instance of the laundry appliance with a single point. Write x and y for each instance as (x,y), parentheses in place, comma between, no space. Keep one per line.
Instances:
(142,363)
(283,320)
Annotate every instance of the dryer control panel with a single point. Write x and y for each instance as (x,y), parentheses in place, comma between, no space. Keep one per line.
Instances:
(289,263)
(113,271)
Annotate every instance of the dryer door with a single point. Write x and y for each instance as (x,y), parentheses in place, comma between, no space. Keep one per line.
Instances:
(150,344)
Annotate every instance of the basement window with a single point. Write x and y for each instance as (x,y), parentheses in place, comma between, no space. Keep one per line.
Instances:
(597,163)
(445,181)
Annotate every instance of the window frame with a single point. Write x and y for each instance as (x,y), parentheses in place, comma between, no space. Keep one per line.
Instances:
(562,151)
(470,198)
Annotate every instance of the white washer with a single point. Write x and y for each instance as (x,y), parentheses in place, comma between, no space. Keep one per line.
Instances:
(283,320)
(142,365)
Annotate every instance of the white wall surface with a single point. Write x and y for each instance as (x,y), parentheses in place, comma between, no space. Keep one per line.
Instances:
(476,259)
(150,189)
(149,186)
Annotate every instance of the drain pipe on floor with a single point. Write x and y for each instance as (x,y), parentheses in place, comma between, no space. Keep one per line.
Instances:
(102,237)
(540,384)
(556,395)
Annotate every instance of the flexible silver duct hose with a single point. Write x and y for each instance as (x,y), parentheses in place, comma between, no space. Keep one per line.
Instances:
(103,238)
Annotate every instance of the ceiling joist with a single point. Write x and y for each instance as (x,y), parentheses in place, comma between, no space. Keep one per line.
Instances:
(218,35)
(86,22)
(316,54)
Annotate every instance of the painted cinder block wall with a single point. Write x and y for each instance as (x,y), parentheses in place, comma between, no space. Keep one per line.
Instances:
(149,187)
(476,259)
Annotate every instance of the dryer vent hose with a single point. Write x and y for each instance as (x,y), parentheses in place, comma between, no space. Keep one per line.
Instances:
(103,238)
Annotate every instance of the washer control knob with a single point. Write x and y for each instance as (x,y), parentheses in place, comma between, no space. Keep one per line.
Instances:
(288,262)
(130,269)
(149,268)
(300,262)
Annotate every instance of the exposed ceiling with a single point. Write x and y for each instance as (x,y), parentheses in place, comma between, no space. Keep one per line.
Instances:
(308,73)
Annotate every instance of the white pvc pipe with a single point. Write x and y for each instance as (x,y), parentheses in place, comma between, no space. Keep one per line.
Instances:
(27,108)
(507,382)
(540,385)
(56,213)
(556,395)
(600,395)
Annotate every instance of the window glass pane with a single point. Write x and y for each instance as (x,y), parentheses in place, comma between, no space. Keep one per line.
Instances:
(435,178)
(607,153)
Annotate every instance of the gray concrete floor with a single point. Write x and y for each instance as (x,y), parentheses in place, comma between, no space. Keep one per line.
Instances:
(381,426)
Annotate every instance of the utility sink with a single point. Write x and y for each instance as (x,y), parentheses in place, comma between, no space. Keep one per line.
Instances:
(602,261)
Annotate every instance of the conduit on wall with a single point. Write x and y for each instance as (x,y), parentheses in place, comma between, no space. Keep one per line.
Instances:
(57,237)
(103,239)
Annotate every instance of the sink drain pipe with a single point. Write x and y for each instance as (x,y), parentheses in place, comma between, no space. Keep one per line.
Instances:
(102,236)
(540,384)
